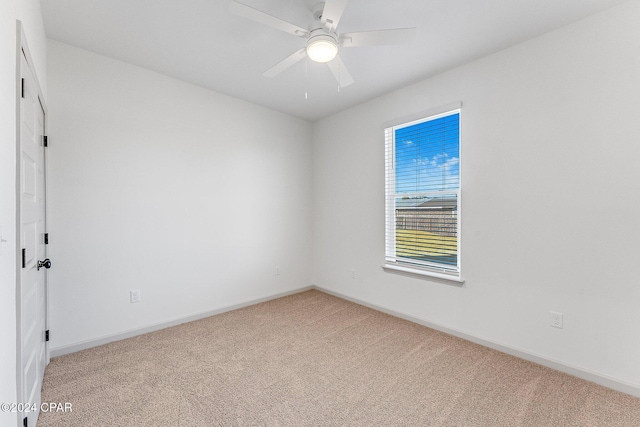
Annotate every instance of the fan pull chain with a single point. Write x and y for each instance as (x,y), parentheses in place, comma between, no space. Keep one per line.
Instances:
(306,80)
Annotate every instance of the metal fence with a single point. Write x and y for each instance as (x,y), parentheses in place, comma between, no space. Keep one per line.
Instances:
(442,222)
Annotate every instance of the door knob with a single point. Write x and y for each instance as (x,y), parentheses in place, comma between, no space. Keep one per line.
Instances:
(46,264)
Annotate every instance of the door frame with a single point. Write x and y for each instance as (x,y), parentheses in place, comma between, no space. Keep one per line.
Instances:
(22,47)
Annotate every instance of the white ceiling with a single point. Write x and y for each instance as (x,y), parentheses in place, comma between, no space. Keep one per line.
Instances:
(200,42)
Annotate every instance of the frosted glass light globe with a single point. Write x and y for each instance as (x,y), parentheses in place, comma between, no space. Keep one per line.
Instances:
(322,49)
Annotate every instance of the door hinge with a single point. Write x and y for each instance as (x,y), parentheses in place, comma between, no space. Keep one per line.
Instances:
(25,422)
(45,141)
(46,238)
(22,89)
(46,335)
(24,258)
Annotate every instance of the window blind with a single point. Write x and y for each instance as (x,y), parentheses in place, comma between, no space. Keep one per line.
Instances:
(422,187)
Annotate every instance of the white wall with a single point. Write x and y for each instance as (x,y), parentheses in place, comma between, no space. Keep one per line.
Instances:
(28,12)
(190,196)
(550,182)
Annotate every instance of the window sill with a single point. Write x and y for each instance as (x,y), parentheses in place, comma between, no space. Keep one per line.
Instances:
(424,272)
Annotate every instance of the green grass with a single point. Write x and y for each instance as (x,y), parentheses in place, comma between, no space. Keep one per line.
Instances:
(422,244)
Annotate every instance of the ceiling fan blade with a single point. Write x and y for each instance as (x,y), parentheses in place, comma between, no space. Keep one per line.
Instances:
(377,38)
(286,63)
(266,19)
(340,72)
(332,13)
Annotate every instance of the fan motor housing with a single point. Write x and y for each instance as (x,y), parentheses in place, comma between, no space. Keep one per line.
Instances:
(322,34)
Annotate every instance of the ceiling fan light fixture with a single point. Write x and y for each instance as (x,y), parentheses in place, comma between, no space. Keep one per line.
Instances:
(322,48)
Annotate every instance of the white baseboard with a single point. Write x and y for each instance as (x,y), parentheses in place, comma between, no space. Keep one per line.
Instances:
(576,371)
(83,345)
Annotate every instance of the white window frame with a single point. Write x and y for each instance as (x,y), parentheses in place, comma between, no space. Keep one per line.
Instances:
(392,263)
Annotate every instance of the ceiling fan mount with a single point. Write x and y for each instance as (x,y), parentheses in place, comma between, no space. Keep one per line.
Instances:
(323,40)
(317,10)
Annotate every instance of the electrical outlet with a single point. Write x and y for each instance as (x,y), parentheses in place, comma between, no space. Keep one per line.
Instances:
(135,296)
(277,270)
(556,319)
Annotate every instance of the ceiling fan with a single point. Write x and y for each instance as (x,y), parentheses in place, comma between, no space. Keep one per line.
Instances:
(322,39)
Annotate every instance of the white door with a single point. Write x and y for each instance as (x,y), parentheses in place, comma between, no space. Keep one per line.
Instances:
(33,279)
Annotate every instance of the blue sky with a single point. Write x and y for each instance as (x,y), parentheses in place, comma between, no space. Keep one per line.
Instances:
(427,155)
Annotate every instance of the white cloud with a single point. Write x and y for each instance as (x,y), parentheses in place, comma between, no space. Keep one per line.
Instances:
(439,172)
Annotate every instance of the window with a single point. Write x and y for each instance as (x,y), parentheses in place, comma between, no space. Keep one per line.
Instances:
(422,161)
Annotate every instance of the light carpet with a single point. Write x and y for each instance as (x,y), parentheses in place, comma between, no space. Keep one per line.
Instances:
(312,359)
